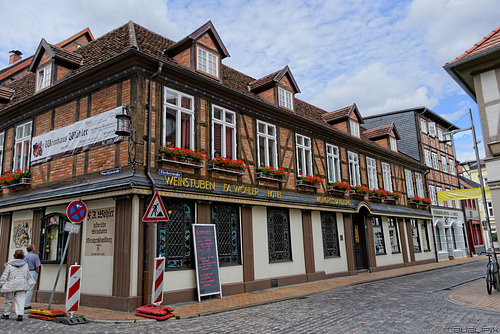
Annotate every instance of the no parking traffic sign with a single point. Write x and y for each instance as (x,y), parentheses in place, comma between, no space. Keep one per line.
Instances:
(76,211)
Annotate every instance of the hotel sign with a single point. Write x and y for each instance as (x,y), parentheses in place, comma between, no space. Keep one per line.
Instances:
(249,191)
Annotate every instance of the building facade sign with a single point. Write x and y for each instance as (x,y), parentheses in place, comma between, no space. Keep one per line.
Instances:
(92,132)
(100,231)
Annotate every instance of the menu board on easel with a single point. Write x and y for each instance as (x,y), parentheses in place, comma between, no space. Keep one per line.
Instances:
(207,260)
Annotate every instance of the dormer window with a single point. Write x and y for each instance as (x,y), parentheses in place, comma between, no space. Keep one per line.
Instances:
(208,62)
(394,144)
(285,99)
(43,78)
(354,128)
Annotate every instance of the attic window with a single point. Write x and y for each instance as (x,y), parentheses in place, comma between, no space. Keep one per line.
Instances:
(285,99)
(394,144)
(43,78)
(208,62)
(354,128)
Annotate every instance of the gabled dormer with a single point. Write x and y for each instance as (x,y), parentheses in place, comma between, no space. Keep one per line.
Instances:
(202,51)
(51,64)
(278,88)
(347,120)
(385,136)
(6,94)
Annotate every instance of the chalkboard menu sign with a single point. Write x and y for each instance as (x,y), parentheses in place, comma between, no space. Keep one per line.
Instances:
(207,260)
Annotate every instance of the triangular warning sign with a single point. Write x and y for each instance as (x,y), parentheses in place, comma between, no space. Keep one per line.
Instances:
(156,211)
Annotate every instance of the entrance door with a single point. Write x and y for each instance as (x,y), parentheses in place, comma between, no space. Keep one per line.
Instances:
(359,239)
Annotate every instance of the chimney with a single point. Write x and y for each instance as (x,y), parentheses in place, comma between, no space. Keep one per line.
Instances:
(15,56)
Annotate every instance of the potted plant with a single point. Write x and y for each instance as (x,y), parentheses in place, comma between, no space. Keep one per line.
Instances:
(426,201)
(339,186)
(379,193)
(268,172)
(392,196)
(309,180)
(414,199)
(359,190)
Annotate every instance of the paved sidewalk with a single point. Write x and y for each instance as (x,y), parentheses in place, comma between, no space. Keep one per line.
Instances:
(473,295)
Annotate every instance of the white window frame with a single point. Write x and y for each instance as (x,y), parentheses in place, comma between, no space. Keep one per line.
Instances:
(394,144)
(410,189)
(371,169)
(432,129)
(285,98)
(22,136)
(333,163)
(386,176)
(452,166)
(419,185)
(423,125)
(179,110)
(354,175)
(270,143)
(433,195)
(207,62)
(435,161)
(440,134)
(43,77)
(354,128)
(444,163)
(2,137)
(457,204)
(438,189)
(225,125)
(428,160)
(304,154)
(491,213)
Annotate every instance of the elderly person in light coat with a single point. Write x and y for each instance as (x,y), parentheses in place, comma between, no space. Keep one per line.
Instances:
(15,281)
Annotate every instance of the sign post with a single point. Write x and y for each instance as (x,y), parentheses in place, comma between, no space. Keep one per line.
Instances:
(156,213)
(76,212)
(207,260)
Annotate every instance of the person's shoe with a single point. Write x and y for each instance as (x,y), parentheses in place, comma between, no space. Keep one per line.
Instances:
(27,307)
(19,318)
(5,316)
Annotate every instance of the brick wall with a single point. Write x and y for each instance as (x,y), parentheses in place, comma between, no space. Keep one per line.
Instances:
(184,57)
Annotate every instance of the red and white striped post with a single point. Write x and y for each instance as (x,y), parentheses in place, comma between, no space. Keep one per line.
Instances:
(157,295)
(73,291)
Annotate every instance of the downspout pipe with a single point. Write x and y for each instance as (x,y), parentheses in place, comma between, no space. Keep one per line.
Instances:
(150,121)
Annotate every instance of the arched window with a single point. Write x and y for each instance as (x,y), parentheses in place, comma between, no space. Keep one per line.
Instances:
(53,237)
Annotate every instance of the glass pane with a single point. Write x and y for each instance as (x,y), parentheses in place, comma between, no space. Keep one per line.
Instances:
(300,159)
(229,144)
(261,128)
(170,125)
(308,163)
(229,118)
(262,151)
(171,97)
(186,103)
(272,153)
(300,140)
(271,130)
(26,151)
(217,140)
(27,130)
(217,114)
(17,155)
(307,142)
(185,130)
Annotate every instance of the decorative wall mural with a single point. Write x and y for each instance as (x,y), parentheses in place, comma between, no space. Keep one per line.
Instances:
(21,233)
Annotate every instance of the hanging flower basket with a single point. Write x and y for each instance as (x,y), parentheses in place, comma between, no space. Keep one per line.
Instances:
(272,174)
(311,181)
(227,165)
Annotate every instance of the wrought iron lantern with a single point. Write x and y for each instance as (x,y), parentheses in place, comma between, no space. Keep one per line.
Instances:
(124,122)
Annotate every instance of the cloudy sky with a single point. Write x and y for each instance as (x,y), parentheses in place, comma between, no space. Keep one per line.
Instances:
(383,55)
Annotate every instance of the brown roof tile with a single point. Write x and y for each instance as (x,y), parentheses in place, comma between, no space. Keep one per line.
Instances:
(337,114)
(6,93)
(492,40)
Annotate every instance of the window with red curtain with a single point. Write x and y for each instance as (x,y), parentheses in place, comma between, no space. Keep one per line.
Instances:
(178,119)
(223,133)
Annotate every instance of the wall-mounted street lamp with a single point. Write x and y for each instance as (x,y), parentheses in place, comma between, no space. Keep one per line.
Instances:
(123,122)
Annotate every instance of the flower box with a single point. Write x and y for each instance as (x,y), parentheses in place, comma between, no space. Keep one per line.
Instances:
(16,178)
(336,192)
(390,199)
(225,169)
(302,183)
(268,177)
(180,160)
(375,199)
(356,195)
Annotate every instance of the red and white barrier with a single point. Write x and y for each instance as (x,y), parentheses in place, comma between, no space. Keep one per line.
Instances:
(73,291)
(158,281)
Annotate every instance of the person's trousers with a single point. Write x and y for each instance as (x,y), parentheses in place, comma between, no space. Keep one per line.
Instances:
(29,294)
(18,297)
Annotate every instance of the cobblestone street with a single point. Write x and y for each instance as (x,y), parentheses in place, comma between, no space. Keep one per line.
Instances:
(415,303)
